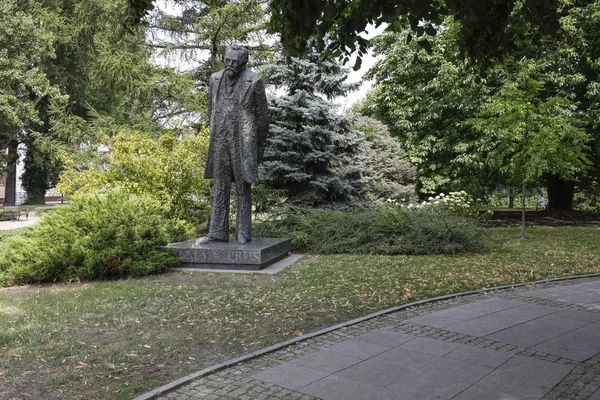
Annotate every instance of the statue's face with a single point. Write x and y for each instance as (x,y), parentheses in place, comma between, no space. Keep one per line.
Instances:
(234,63)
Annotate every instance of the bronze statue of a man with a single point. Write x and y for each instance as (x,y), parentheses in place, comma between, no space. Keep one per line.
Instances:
(239,124)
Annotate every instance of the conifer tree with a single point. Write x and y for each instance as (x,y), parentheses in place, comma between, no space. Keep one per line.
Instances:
(313,154)
(392,176)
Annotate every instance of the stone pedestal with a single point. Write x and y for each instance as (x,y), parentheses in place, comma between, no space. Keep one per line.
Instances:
(256,255)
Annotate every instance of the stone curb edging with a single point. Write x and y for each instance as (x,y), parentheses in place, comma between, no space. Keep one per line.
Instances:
(270,349)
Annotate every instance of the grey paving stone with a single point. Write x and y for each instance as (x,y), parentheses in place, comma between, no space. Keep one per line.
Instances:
(476,392)
(435,320)
(430,346)
(527,312)
(582,298)
(525,376)
(373,372)
(358,349)
(576,345)
(326,361)
(528,334)
(577,294)
(443,380)
(494,304)
(289,376)
(592,330)
(339,388)
(561,321)
(478,309)
(595,396)
(406,359)
(483,326)
(553,293)
(476,355)
(385,337)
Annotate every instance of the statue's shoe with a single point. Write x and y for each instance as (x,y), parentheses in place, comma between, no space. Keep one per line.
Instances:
(243,240)
(208,239)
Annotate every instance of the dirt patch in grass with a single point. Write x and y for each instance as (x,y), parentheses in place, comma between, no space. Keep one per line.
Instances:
(507,218)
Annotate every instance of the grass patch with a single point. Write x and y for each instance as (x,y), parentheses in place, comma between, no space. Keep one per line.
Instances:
(118,339)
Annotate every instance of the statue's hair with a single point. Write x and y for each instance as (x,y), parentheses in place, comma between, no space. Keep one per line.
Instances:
(237,47)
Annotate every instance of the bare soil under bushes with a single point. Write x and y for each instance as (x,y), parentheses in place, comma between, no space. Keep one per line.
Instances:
(507,218)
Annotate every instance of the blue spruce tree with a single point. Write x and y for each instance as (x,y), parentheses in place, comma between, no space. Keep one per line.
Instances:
(313,154)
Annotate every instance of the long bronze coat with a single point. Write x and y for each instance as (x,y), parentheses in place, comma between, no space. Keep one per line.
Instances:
(253,123)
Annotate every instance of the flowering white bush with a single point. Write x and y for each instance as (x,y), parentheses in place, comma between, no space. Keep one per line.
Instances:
(457,203)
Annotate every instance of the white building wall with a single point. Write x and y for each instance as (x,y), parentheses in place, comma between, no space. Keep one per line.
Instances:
(21,196)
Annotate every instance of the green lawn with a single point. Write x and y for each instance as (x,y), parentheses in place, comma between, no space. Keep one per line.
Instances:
(118,339)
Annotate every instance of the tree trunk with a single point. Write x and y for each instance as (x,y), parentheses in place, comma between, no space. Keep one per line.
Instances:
(511,197)
(10,194)
(560,194)
(523,225)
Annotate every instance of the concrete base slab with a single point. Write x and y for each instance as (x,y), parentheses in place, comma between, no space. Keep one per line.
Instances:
(256,255)
(271,269)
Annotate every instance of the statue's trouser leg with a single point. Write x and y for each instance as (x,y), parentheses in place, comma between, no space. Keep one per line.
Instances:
(219,223)
(243,219)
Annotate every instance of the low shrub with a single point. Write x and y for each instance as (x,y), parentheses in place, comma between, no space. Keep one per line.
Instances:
(12,232)
(383,230)
(39,211)
(96,237)
(169,169)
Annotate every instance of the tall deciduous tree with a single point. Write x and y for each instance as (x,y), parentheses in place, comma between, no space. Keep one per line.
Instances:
(423,98)
(484,23)
(566,64)
(528,135)
(71,77)
(25,46)
(340,24)
(313,153)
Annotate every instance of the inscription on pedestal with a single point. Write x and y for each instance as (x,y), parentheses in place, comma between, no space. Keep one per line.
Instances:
(255,255)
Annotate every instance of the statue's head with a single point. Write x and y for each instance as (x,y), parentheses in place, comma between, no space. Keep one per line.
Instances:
(236,58)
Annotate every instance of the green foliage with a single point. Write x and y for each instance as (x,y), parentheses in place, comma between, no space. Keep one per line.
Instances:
(383,230)
(588,199)
(266,199)
(66,77)
(423,104)
(168,169)
(501,197)
(340,24)
(4,234)
(39,211)
(391,176)
(40,174)
(426,102)
(525,134)
(25,45)
(313,154)
(209,27)
(98,236)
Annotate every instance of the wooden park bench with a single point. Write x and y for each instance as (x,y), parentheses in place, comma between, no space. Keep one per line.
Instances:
(14,212)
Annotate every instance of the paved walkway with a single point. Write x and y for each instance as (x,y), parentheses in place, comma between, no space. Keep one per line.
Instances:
(539,342)
(20,223)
